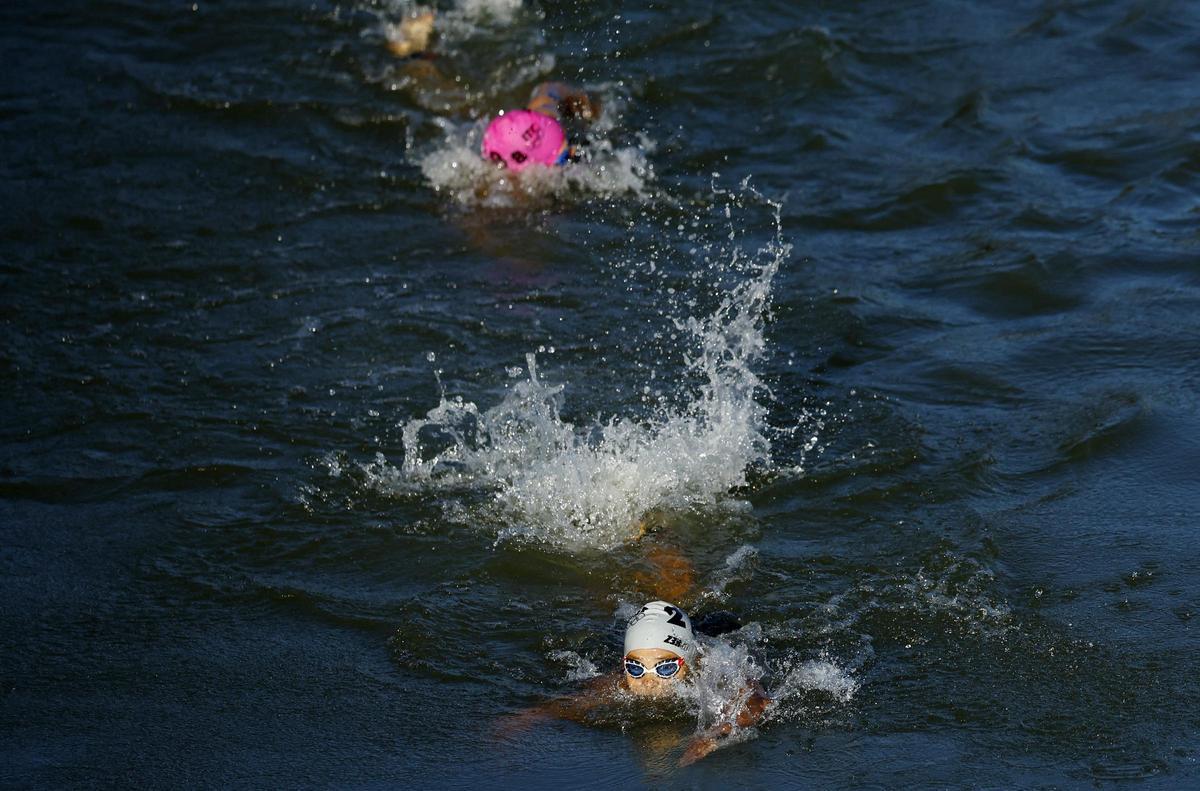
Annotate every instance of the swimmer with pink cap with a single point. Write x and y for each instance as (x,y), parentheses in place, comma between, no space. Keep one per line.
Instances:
(514,139)
(517,139)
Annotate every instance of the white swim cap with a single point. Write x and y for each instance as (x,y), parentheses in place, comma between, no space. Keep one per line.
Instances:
(662,625)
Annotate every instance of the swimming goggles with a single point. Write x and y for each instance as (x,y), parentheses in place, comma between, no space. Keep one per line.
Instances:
(664,669)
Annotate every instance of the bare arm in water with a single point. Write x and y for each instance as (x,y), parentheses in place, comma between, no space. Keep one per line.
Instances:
(561,100)
(574,707)
(671,575)
(602,690)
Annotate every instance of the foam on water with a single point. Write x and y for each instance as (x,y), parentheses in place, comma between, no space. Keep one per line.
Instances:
(588,486)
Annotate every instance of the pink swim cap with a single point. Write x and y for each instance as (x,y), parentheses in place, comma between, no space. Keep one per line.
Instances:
(518,138)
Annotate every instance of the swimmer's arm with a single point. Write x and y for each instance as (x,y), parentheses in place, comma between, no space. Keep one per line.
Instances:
(573,707)
(711,739)
(672,575)
(563,100)
(754,707)
(576,707)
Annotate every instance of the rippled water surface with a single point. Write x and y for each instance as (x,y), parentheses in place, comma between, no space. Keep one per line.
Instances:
(324,445)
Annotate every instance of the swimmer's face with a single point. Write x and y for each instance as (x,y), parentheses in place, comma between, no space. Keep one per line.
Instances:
(651,683)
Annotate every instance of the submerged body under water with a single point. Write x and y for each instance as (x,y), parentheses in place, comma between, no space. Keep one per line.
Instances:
(327,446)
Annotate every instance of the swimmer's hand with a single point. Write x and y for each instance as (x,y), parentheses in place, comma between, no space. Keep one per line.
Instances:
(704,744)
(711,739)
(561,100)
(411,35)
(579,105)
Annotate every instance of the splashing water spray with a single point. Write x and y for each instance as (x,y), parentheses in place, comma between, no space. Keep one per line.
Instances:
(558,483)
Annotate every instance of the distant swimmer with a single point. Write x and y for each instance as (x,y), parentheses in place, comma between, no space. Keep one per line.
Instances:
(660,655)
(517,138)
(411,38)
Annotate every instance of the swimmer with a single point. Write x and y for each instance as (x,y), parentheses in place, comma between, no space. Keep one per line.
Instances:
(411,38)
(514,139)
(517,139)
(660,655)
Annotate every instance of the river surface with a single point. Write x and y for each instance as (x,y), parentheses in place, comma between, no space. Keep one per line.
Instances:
(323,443)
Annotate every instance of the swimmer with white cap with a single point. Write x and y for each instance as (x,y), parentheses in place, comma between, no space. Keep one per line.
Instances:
(660,649)
(660,653)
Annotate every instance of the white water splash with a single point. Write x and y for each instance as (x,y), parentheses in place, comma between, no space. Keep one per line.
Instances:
(588,486)
(963,592)
(475,13)
(579,668)
(498,11)
(818,675)
(725,678)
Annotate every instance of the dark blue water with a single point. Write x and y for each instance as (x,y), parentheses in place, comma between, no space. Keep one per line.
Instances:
(930,428)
